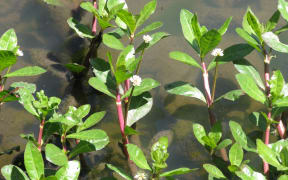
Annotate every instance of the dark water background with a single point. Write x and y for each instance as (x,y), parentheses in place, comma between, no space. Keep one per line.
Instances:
(47,41)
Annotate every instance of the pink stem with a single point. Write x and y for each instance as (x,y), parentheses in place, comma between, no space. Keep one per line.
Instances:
(40,142)
(122,122)
(267,135)
(63,140)
(94,23)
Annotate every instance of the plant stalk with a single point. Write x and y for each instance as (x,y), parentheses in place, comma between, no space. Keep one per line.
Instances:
(63,141)
(215,80)
(94,22)
(41,127)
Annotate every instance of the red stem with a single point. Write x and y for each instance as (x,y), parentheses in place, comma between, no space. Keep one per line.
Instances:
(94,22)
(63,140)
(267,135)
(40,142)
(122,123)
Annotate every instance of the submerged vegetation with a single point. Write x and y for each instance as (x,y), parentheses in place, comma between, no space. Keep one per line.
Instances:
(64,138)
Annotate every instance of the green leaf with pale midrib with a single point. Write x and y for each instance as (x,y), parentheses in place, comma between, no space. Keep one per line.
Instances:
(55,155)
(146,12)
(185,58)
(213,171)
(27,71)
(209,41)
(137,156)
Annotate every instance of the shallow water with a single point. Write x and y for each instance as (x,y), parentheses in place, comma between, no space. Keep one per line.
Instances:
(46,40)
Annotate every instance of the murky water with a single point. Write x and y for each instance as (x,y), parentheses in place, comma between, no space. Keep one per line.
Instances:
(47,41)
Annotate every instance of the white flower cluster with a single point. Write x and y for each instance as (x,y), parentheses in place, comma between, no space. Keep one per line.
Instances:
(140,176)
(217,52)
(19,53)
(136,80)
(147,38)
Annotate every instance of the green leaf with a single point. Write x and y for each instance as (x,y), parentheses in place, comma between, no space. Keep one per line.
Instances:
(254,23)
(50,128)
(140,106)
(283,102)
(70,171)
(178,171)
(196,28)
(216,132)
(119,171)
(55,155)
(282,29)
(185,89)
(248,173)
(224,144)
(146,85)
(82,30)
(96,137)
(248,38)
(277,83)
(283,177)
(8,40)
(199,132)
(88,6)
(128,19)
(75,68)
(112,42)
(126,58)
(53,2)
(258,120)
(92,120)
(146,12)
(137,156)
(222,30)
(231,95)
(244,67)
(11,172)
(284,156)
(268,155)
(98,84)
(209,41)
(236,154)
(122,74)
(5,96)
(7,58)
(149,28)
(185,58)
(240,137)
(82,111)
(27,71)
(130,131)
(213,171)
(33,161)
(185,19)
(248,85)
(82,147)
(282,7)
(209,142)
(156,37)
(272,40)
(273,21)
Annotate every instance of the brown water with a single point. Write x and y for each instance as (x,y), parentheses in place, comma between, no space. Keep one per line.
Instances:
(46,40)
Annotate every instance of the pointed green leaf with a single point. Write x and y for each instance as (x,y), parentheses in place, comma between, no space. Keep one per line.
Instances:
(213,171)
(27,71)
(112,42)
(272,40)
(185,89)
(92,120)
(119,171)
(231,95)
(137,156)
(224,144)
(149,28)
(199,132)
(178,171)
(7,58)
(82,111)
(6,96)
(222,30)
(254,23)
(196,28)
(82,147)
(82,30)
(248,38)
(33,161)
(282,7)
(209,41)
(8,40)
(96,83)
(128,19)
(11,172)
(236,154)
(283,102)
(185,58)
(273,21)
(146,12)
(258,120)
(277,83)
(248,85)
(55,155)
(185,19)
(216,132)
(247,173)
(70,171)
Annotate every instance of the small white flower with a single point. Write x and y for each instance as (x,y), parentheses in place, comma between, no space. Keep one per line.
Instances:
(136,80)
(217,52)
(130,55)
(147,38)
(140,176)
(19,52)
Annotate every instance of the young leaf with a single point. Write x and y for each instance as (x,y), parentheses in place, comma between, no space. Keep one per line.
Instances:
(209,41)
(254,23)
(82,30)
(248,38)
(33,161)
(240,137)
(185,89)
(231,95)
(244,67)
(277,83)
(178,171)
(222,30)
(140,106)
(82,111)
(96,137)
(7,58)
(112,42)
(92,120)
(196,28)
(216,132)
(236,154)
(273,21)
(146,12)
(149,28)
(70,171)
(209,142)
(282,7)
(8,40)
(122,73)
(213,171)
(272,40)
(128,19)
(185,58)
(27,71)
(119,171)
(248,85)
(55,155)
(185,19)
(224,144)
(11,172)
(96,83)
(199,132)
(137,156)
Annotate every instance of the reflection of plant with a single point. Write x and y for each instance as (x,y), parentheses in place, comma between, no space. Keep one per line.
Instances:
(159,156)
